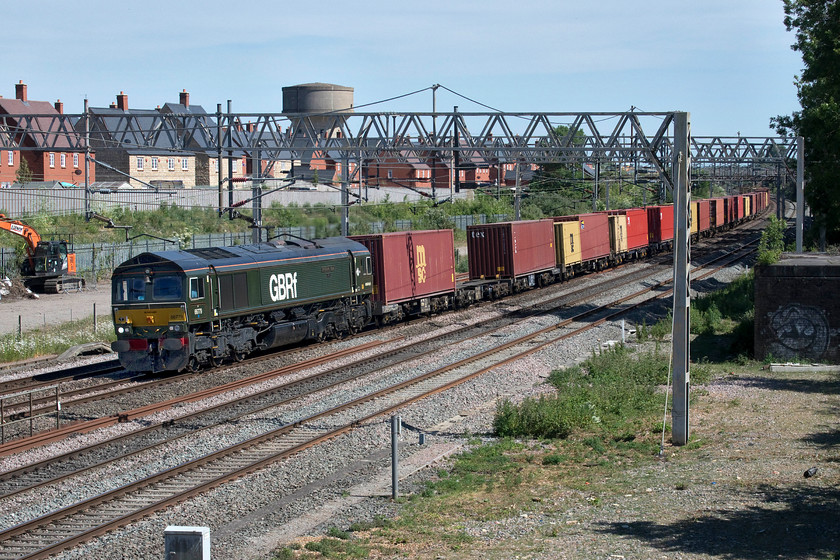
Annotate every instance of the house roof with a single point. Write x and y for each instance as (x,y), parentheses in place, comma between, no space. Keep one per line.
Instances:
(46,130)
(135,129)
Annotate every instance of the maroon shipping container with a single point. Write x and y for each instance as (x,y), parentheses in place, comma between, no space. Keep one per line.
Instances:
(660,223)
(594,234)
(705,215)
(411,264)
(716,211)
(637,226)
(510,249)
(739,206)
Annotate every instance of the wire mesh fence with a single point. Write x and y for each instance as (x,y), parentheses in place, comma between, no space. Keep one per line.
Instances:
(95,261)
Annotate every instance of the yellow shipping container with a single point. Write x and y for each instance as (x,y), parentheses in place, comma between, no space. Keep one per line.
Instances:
(695,211)
(567,243)
(618,234)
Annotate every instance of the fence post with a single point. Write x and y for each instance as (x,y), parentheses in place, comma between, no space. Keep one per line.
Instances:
(395,457)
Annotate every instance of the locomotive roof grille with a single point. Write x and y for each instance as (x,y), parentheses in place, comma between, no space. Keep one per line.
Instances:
(211,253)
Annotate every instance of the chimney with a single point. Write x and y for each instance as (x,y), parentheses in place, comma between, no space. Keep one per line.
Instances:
(20,91)
(122,101)
(185,98)
(59,106)
(112,105)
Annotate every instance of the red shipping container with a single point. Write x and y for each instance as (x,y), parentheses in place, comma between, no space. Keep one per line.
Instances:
(510,249)
(594,234)
(705,214)
(731,209)
(660,223)
(739,205)
(411,264)
(716,211)
(637,226)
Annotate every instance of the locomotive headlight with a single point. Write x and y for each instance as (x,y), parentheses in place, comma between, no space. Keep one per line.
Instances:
(121,330)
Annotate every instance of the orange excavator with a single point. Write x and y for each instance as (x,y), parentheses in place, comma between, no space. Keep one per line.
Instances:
(49,267)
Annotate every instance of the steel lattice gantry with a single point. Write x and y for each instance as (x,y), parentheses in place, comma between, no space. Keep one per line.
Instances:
(491,138)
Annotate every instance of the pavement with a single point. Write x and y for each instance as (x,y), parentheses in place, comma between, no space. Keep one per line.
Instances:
(51,309)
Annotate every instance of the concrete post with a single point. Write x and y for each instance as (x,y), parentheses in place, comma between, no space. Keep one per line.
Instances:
(682,268)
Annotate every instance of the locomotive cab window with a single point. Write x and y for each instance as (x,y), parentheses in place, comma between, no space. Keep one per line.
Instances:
(368,268)
(196,288)
(130,289)
(167,288)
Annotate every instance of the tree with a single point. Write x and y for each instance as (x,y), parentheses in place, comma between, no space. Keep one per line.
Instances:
(24,173)
(817,26)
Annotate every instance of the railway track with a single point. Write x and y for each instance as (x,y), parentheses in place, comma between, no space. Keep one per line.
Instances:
(51,378)
(89,519)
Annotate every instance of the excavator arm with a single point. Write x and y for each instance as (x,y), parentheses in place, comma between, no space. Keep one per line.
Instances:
(16,227)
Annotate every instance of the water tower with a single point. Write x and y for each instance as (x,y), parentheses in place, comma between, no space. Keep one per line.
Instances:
(314,99)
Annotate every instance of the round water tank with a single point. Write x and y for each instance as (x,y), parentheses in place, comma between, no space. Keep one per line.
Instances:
(317,98)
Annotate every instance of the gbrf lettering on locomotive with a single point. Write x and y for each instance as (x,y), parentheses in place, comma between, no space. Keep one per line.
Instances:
(282,286)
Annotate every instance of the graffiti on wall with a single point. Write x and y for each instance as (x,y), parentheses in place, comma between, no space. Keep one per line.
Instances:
(799,331)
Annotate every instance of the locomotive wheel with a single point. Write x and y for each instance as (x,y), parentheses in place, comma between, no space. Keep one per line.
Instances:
(239,356)
(192,365)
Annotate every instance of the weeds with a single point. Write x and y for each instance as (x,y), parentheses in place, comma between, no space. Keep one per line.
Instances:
(607,392)
(53,339)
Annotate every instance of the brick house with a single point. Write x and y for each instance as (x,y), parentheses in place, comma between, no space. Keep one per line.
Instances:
(401,170)
(50,141)
(201,140)
(142,148)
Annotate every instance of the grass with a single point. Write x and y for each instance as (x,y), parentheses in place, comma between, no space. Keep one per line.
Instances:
(54,339)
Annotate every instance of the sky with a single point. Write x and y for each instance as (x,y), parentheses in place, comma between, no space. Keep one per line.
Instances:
(727,62)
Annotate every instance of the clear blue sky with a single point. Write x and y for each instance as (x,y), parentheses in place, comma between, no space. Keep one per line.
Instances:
(728,62)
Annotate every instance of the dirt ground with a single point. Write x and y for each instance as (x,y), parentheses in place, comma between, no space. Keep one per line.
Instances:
(52,309)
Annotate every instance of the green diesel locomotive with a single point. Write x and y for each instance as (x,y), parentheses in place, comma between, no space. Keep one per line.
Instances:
(176,310)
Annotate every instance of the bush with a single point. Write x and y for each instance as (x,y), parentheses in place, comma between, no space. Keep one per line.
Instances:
(772,242)
(608,392)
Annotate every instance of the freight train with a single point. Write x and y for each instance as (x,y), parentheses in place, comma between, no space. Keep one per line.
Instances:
(189,309)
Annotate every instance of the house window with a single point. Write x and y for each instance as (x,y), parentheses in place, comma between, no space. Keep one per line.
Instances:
(217,166)
(11,158)
(185,164)
(140,163)
(236,166)
(390,173)
(75,160)
(52,159)
(171,163)
(154,163)
(63,159)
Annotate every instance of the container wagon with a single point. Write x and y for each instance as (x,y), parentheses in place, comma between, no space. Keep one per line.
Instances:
(660,226)
(519,255)
(717,216)
(594,238)
(413,272)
